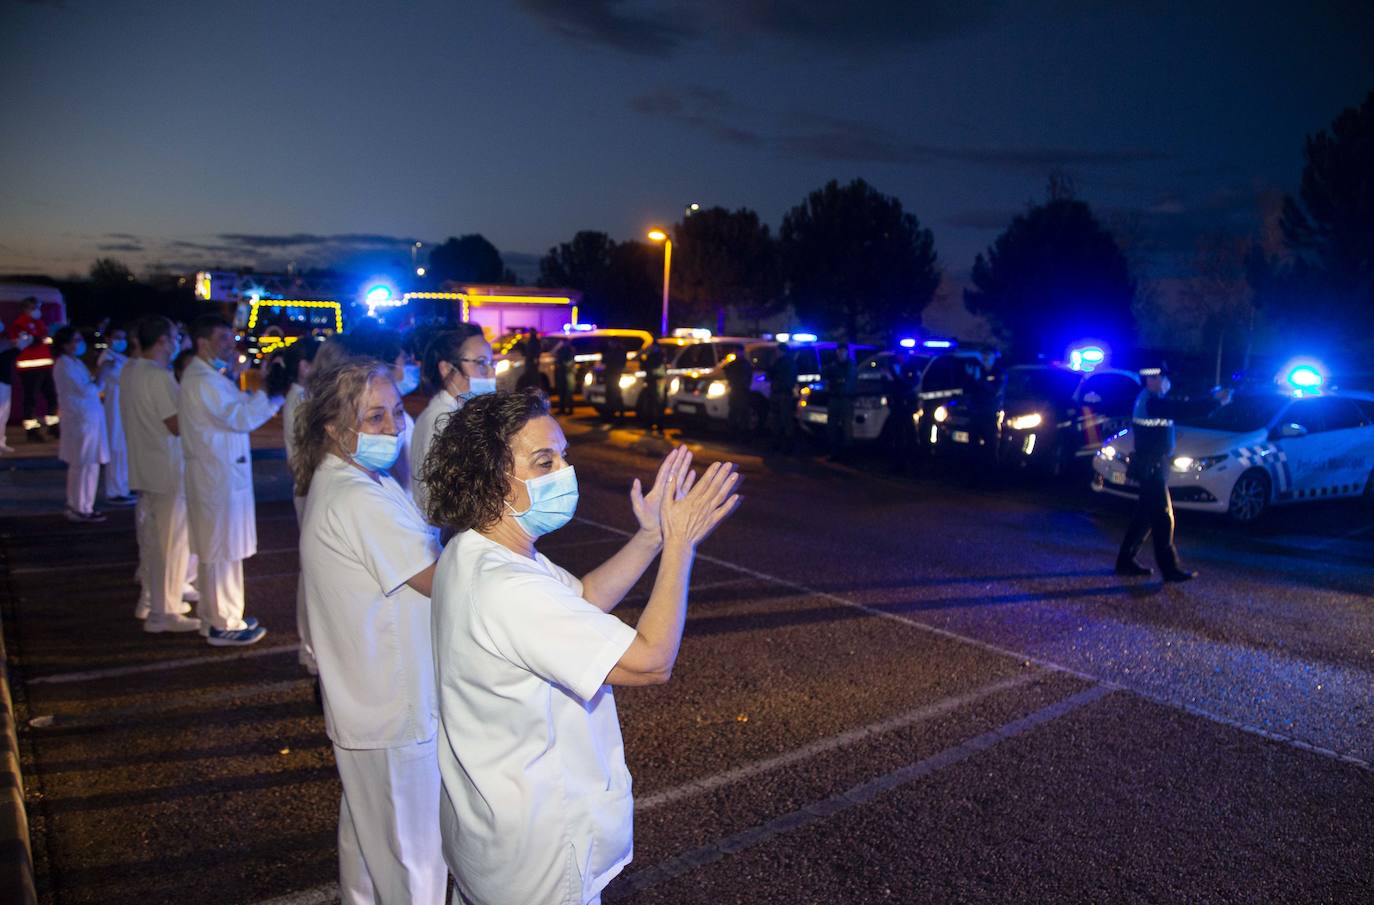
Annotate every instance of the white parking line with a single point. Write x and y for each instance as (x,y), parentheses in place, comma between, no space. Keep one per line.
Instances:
(160,666)
(857,795)
(1290,741)
(824,746)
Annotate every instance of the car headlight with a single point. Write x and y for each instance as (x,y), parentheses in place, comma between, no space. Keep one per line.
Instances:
(1026,422)
(717,389)
(673,386)
(502,366)
(587,381)
(941,414)
(1188,463)
(627,381)
(1107,452)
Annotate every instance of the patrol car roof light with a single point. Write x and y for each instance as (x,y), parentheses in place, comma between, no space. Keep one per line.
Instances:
(1303,377)
(803,337)
(1086,358)
(907,343)
(938,344)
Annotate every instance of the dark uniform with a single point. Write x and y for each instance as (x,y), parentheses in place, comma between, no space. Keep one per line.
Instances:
(651,397)
(739,374)
(1152,424)
(613,360)
(782,401)
(529,376)
(841,381)
(984,399)
(563,377)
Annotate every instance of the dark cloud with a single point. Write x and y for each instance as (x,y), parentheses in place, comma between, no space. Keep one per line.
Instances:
(120,246)
(834,139)
(295,240)
(611,23)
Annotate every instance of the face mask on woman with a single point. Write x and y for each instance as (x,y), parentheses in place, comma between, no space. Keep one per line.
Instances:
(80,348)
(377,452)
(410,380)
(553,500)
(479,386)
(119,345)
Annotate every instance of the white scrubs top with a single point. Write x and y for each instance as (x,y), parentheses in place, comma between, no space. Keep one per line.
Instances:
(147,398)
(295,396)
(536,806)
(360,542)
(429,424)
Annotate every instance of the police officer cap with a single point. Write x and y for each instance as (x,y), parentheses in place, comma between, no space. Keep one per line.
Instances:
(1155,370)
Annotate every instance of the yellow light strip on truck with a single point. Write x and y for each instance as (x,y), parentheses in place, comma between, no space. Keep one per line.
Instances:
(295,303)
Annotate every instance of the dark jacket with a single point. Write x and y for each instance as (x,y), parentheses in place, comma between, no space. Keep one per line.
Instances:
(1152,423)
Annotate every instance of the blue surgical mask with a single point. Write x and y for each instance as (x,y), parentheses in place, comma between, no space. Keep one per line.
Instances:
(479,386)
(119,345)
(219,364)
(80,348)
(553,500)
(377,452)
(410,380)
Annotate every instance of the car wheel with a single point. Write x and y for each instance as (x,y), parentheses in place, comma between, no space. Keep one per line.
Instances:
(1249,497)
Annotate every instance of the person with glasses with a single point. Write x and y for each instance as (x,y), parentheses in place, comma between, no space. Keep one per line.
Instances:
(457,363)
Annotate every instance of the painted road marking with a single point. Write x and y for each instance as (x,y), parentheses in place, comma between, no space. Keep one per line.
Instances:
(160,666)
(853,797)
(826,745)
(1250,728)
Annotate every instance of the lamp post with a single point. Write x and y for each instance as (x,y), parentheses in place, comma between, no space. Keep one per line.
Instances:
(658,235)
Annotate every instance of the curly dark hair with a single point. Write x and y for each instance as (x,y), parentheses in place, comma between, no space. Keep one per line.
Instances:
(469,462)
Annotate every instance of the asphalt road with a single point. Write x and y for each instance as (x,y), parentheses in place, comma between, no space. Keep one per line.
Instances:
(891,690)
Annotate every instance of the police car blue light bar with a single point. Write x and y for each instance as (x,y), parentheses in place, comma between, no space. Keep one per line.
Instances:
(1303,376)
(378,295)
(803,337)
(1086,358)
(938,344)
(907,343)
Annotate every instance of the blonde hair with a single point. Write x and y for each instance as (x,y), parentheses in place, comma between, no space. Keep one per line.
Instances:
(333,399)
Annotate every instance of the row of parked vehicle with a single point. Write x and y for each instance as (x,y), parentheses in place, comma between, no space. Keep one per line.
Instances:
(1276,443)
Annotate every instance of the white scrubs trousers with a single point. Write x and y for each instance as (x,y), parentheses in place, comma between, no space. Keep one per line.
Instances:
(168,548)
(389,847)
(306,656)
(82,481)
(221,595)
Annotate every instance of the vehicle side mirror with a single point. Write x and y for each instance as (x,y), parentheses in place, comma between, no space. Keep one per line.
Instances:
(1292,430)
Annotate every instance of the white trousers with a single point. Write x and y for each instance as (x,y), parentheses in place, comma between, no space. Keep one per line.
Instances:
(389,845)
(221,594)
(81,485)
(307,651)
(163,549)
(117,471)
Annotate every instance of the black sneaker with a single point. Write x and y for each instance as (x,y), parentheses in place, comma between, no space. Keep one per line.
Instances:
(1132,569)
(1180,575)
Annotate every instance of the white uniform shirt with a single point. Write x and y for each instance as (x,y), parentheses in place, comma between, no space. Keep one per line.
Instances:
(215,418)
(294,397)
(84,439)
(147,398)
(429,424)
(360,542)
(537,806)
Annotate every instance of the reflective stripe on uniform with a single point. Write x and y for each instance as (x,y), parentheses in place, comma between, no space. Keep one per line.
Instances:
(1153,422)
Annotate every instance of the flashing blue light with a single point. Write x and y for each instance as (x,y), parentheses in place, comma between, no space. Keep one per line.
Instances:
(1305,377)
(1086,358)
(938,344)
(907,343)
(378,295)
(803,337)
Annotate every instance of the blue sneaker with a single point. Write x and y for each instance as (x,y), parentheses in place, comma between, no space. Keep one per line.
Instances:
(239,638)
(249,622)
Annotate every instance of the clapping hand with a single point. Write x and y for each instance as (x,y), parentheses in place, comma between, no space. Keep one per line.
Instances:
(648,508)
(691,509)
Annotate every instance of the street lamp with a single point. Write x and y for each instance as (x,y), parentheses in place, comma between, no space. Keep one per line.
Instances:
(658,235)
(413,249)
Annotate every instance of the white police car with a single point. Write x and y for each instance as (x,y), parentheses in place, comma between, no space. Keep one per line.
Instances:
(1262,449)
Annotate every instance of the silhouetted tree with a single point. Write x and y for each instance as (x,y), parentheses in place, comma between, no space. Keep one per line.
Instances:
(1053,276)
(722,259)
(581,264)
(853,260)
(632,294)
(470,259)
(1320,290)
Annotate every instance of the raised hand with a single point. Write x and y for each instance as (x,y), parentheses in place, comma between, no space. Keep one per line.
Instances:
(692,509)
(676,467)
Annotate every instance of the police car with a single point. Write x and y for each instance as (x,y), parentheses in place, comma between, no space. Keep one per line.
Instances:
(1052,415)
(872,395)
(700,391)
(1263,449)
(587,347)
(633,380)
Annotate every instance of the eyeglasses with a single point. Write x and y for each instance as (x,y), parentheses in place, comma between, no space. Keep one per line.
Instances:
(480,362)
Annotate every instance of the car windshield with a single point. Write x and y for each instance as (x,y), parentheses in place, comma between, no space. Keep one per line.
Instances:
(1244,414)
(1041,383)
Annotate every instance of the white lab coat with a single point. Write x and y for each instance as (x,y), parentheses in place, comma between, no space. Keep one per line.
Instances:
(427,426)
(215,418)
(117,472)
(84,439)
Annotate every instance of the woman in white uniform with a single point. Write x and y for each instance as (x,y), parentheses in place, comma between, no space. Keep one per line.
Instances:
(459,364)
(84,445)
(368,560)
(536,807)
(112,362)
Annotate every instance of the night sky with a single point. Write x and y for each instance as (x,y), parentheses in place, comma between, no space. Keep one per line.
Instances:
(194,133)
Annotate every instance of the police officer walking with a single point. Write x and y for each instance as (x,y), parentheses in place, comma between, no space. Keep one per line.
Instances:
(739,376)
(782,400)
(1152,423)
(841,380)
